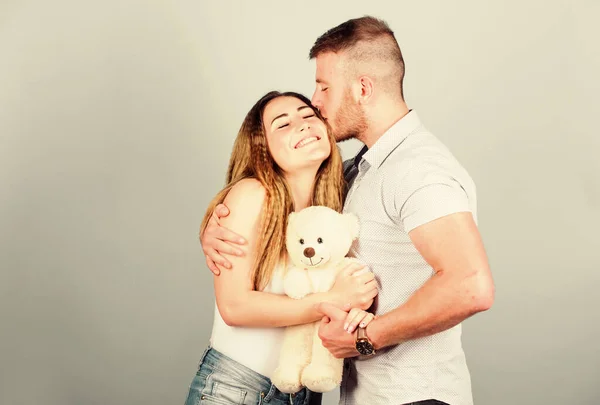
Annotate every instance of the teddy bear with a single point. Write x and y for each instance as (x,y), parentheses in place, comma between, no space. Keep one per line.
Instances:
(318,239)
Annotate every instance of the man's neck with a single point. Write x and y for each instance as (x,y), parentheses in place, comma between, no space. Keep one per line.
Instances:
(382,119)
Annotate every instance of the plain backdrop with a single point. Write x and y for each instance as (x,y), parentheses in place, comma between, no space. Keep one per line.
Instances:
(117,119)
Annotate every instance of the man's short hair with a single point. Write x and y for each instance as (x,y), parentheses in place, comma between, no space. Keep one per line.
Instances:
(366,40)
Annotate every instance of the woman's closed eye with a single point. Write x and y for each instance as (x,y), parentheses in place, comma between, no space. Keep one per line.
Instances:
(285,124)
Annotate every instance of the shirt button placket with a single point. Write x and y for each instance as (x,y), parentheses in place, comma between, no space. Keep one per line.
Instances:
(354,188)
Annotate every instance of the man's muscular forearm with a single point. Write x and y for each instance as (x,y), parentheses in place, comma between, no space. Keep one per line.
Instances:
(441,303)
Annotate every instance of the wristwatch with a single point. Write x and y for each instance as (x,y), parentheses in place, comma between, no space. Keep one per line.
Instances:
(363,344)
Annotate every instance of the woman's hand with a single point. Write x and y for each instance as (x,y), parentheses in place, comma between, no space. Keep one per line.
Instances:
(357,317)
(354,287)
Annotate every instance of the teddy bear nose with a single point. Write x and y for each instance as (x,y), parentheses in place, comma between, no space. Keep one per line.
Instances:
(309,252)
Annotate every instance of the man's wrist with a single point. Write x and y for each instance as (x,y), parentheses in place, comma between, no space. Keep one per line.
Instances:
(376,334)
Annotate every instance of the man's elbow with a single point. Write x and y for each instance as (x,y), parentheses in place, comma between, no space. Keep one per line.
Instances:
(483,292)
(483,301)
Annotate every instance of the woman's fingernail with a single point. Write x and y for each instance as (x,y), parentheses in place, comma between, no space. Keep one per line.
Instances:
(362,324)
(346,326)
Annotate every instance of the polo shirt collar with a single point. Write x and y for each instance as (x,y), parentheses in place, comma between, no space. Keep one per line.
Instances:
(389,141)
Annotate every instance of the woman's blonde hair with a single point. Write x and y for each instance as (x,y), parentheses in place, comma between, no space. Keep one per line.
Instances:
(251,158)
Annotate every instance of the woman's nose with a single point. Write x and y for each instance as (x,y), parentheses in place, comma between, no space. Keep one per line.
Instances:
(304,126)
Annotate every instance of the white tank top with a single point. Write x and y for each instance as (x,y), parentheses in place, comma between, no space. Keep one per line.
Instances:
(254,347)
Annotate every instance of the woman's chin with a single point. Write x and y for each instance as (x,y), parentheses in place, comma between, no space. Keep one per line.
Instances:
(309,161)
(316,156)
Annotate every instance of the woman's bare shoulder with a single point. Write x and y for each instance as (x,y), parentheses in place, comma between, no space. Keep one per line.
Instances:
(247,197)
(247,191)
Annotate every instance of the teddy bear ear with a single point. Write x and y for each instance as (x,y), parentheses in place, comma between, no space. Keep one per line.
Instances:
(353,224)
(291,218)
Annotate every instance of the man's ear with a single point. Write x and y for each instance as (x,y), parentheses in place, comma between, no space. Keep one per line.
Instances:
(366,88)
(352,224)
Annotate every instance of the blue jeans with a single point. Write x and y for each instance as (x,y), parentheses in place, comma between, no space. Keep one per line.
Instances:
(221,380)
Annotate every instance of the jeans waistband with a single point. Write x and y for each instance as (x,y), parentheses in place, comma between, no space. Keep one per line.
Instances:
(235,370)
(217,360)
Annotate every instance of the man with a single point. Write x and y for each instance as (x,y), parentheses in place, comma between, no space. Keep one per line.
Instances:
(417,210)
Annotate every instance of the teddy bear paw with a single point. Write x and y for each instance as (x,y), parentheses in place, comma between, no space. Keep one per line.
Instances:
(320,378)
(287,379)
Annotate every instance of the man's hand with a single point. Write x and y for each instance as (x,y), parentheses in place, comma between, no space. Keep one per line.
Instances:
(341,344)
(217,240)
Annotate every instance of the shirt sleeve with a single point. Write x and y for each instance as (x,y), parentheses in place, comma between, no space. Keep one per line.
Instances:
(423,197)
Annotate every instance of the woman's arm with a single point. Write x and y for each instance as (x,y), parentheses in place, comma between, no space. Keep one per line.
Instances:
(238,303)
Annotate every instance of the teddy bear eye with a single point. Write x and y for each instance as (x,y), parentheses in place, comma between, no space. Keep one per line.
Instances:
(320,240)
(302,241)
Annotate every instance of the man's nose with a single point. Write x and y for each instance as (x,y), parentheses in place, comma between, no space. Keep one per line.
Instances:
(316,101)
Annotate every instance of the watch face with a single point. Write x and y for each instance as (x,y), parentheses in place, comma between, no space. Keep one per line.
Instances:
(364,347)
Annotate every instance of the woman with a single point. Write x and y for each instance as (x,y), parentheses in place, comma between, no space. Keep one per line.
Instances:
(284,159)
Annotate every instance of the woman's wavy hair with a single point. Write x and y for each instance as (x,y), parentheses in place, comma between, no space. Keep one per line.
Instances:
(251,158)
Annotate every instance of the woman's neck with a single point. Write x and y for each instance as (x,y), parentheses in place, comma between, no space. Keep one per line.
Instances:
(301,184)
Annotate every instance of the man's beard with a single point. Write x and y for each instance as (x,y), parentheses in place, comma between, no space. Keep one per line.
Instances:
(350,121)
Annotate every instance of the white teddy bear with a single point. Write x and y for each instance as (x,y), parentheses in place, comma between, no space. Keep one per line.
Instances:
(317,241)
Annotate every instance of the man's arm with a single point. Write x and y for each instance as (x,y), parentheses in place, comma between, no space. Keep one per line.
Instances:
(461,286)
(434,208)
(217,239)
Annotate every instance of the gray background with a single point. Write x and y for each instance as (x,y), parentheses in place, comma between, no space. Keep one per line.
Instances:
(116,124)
